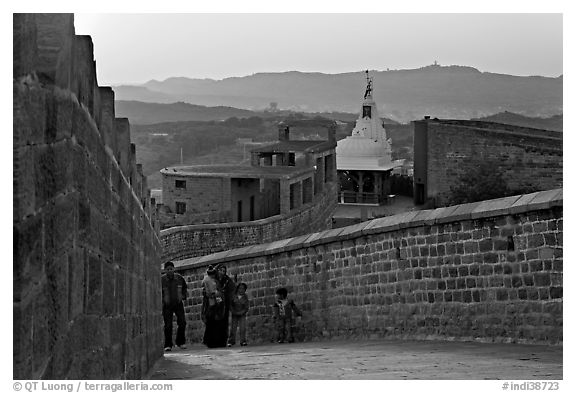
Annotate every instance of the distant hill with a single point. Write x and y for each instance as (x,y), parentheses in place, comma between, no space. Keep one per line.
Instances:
(151,113)
(403,95)
(553,123)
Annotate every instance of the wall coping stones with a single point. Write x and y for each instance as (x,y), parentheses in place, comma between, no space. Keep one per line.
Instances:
(462,212)
(295,242)
(547,199)
(328,236)
(405,221)
(440,213)
(389,223)
(523,203)
(352,231)
(490,208)
(494,206)
(237,253)
(277,246)
(424,217)
(311,238)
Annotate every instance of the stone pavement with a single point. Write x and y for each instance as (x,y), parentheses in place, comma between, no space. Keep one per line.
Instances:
(382,359)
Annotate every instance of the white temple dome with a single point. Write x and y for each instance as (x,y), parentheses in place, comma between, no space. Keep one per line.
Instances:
(359,146)
(367,148)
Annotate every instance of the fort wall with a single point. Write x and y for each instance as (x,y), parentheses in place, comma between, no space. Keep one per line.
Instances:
(447,149)
(86,264)
(196,240)
(487,271)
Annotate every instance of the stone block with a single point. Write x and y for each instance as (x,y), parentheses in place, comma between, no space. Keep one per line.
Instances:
(522,204)
(55,33)
(60,223)
(353,231)
(326,237)
(462,212)
(60,116)
(95,288)
(494,207)
(24,44)
(556,293)
(107,117)
(28,258)
(535,240)
(108,289)
(29,113)
(43,332)
(24,183)
(52,171)
(541,279)
(76,283)
(441,215)
(423,217)
(84,71)
(22,321)
(389,223)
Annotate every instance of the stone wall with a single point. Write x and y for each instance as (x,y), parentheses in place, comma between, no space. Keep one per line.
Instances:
(86,264)
(446,149)
(486,271)
(205,198)
(196,240)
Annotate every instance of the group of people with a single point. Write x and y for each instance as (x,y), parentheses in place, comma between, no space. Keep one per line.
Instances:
(225,305)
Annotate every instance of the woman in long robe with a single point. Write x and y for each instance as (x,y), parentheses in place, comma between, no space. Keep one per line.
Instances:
(216,317)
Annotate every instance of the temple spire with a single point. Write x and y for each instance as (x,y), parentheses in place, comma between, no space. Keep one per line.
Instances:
(368,93)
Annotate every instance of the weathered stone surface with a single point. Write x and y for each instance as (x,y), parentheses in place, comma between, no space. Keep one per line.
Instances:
(453,279)
(75,239)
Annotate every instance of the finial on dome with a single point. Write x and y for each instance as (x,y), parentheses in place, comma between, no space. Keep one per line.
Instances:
(368,92)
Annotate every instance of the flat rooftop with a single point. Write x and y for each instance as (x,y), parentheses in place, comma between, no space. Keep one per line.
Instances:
(235,171)
(296,146)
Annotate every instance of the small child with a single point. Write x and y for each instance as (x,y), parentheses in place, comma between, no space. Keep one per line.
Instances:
(285,313)
(239,308)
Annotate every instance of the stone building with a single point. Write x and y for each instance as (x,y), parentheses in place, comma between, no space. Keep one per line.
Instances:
(444,150)
(364,159)
(282,178)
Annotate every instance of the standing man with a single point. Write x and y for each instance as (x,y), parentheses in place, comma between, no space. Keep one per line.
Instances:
(174,292)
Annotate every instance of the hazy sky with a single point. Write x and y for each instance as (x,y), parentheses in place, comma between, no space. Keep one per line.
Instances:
(138,47)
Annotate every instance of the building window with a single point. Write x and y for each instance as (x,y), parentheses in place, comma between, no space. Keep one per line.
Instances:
(180,207)
(239,211)
(367,111)
(307,190)
(181,184)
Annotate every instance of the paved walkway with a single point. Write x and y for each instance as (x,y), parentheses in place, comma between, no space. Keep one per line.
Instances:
(383,359)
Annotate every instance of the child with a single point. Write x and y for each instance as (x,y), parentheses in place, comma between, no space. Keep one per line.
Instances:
(285,313)
(239,307)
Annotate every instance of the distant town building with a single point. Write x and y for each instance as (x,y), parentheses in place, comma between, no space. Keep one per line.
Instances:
(282,178)
(364,159)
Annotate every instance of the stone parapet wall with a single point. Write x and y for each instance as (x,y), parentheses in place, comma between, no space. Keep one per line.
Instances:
(486,271)
(170,220)
(197,240)
(86,296)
